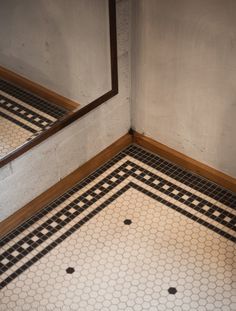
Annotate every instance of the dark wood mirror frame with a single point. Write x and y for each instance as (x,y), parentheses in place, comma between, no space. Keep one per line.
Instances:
(89,107)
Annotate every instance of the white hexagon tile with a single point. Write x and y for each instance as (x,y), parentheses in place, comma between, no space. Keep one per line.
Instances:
(138,234)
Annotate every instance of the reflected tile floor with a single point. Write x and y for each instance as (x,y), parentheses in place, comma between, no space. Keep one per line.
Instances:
(23,116)
(138,234)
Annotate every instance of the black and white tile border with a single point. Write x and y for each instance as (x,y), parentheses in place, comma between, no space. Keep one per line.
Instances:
(28,98)
(30,113)
(186,193)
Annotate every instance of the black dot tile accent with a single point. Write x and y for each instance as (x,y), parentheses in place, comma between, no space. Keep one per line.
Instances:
(70,270)
(172,290)
(127,222)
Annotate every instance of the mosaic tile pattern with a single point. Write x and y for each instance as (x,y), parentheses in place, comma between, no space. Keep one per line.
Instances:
(11,136)
(134,235)
(23,116)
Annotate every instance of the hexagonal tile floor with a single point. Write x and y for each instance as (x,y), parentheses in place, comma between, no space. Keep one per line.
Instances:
(23,116)
(138,234)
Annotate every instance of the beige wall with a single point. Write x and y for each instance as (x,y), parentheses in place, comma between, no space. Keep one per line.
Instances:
(184,77)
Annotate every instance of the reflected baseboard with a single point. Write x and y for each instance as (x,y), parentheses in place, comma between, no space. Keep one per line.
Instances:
(38,89)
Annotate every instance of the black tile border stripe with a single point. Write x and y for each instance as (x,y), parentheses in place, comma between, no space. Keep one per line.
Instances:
(31,99)
(24,126)
(192,180)
(27,110)
(24,116)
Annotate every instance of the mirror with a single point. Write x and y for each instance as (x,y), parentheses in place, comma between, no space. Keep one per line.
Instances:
(58,62)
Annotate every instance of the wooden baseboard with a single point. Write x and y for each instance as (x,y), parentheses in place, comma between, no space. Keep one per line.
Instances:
(185,161)
(59,188)
(38,89)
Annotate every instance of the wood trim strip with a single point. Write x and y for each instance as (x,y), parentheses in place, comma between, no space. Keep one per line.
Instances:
(63,185)
(185,161)
(38,89)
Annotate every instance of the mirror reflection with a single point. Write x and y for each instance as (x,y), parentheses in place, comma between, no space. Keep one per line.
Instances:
(54,60)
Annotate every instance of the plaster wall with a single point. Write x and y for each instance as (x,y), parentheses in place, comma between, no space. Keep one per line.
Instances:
(60,44)
(184,77)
